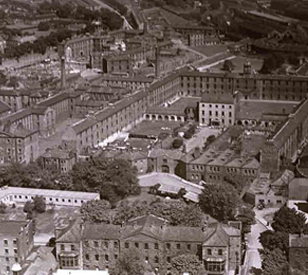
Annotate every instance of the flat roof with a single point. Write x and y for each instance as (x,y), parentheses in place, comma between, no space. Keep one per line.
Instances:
(4,191)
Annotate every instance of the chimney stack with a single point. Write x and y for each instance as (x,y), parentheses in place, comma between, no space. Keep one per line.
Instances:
(63,74)
(156,62)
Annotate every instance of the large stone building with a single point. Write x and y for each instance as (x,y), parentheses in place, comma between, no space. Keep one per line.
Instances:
(16,243)
(98,246)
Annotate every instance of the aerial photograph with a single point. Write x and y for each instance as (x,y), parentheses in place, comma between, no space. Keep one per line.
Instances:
(153,137)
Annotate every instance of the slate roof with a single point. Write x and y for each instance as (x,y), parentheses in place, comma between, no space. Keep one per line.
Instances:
(217,237)
(173,154)
(71,234)
(101,231)
(4,107)
(225,98)
(255,109)
(12,228)
(298,241)
(298,189)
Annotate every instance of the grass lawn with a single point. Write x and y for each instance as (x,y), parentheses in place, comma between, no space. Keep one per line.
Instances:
(238,62)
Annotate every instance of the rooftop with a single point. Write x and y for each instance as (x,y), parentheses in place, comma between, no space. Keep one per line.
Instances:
(12,228)
(298,240)
(5,191)
(298,189)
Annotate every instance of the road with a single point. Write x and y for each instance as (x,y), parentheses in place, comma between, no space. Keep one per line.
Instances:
(252,263)
(103,5)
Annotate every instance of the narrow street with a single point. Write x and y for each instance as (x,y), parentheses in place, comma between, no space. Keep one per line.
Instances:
(253,261)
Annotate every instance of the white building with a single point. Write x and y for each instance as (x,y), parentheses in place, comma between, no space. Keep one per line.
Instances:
(18,195)
(216,110)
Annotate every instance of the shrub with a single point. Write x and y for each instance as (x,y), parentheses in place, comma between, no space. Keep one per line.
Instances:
(28,207)
(2,208)
(177,143)
(39,204)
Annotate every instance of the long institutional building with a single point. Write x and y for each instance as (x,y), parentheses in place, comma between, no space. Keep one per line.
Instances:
(216,88)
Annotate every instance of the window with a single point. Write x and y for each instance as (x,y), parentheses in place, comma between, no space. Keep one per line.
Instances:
(115,256)
(95,243)
(168,260)
(137,245)
(6,242)
(72,247)
(15,251)
(7,259)
(209,252)
(168,245)
(219,252)
(87,257)
(156,259)
(8,269)
(178,246)
(106,244)
(126,245)
(189,247)
(62,247)
(115,245)
(146,246)
(96,257)
(156,245)
(107,258)
(6,251)
(215,266)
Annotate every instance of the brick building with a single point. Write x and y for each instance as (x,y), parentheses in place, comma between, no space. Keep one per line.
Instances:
(97,246)
(16,243)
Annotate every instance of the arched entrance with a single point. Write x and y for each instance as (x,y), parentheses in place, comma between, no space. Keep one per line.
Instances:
(165,169)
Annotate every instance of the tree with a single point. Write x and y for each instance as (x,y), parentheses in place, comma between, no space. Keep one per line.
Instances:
(289,221)
(228,66)
(176,212)
(28,207)
(247,217)
(115,180)
(2,208)
(219,201)
(177,143)
(273,261)
(129,263)
(39,204)
(188,135)
(271,240)
(187,263)
(96,211)
(43,26)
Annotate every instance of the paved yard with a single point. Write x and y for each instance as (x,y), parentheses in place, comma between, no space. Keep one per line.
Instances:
(199,138)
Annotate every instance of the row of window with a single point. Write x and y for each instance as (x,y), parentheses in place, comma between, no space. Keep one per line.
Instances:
(216,113)
(50,199)
(6,242)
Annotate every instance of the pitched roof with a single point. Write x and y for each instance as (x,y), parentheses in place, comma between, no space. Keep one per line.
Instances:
(298,189)
(226,98)
(173,154)
(71,234)
(298,241)
(218,236)
(256,109)
(4,107)
(101,231)
(12,228)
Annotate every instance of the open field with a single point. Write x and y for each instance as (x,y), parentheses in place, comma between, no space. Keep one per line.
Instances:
(154,127)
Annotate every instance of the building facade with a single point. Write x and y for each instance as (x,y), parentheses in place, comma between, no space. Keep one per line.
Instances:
(97,246)
(16,243)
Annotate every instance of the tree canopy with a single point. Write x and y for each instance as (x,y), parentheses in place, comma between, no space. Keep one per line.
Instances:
(187,263)
(114,179)
(96,211)
(176,212)
(219,201)
(289,220)
(274,262)
(271,240)
(247,217)
(129,263)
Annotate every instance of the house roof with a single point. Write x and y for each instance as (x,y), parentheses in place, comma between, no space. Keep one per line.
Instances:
(256,109)
(298,241)
(217,237)
(101,231)
(225,98)
(173,154)
(11,228)
(4,107)
(71,234)
(298,189)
